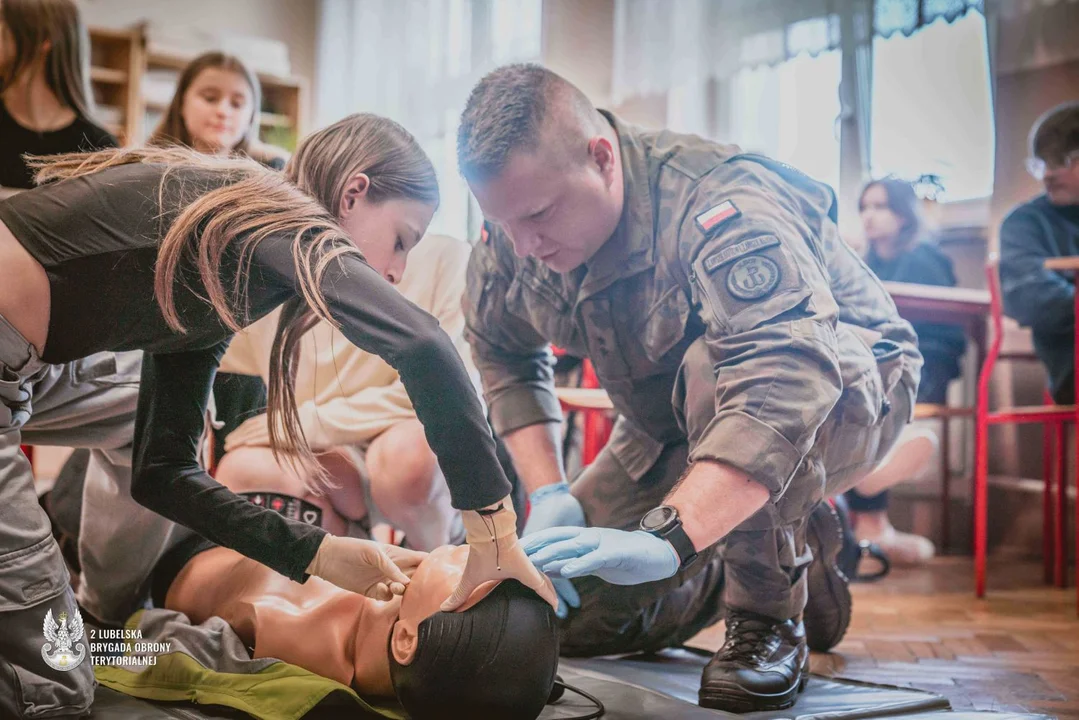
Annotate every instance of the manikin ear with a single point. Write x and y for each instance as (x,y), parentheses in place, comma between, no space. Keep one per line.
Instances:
(402,643)
(355,190)
(602,151)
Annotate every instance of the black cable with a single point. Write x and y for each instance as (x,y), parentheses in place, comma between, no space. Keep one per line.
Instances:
(563,686)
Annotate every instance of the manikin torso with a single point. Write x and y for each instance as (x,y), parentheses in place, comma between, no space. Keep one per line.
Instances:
(316,625)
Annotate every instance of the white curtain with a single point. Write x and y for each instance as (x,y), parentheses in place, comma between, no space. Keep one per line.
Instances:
(415,61)
(659,44)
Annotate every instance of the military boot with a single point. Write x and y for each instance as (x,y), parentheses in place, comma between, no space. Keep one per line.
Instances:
(763,665)
(828,607)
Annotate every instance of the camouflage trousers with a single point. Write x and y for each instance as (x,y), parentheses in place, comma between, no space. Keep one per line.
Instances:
(760,566)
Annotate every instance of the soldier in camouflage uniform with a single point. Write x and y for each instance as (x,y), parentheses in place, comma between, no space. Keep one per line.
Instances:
(756,364)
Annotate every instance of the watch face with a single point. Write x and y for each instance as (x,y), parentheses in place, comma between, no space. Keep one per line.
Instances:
(657,518)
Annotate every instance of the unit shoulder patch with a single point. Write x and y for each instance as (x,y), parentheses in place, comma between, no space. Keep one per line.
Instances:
(753,277)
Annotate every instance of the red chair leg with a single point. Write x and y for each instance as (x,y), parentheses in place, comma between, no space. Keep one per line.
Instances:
(945,487)
(981,500)
(1060,527)
(1048,469)
(597,426)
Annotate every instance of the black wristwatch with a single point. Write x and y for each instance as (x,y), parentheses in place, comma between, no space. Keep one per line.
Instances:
(664,523)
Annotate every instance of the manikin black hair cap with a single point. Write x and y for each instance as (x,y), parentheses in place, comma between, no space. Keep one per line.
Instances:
(495,660)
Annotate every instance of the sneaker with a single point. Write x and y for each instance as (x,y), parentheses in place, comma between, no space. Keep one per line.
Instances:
(904,549)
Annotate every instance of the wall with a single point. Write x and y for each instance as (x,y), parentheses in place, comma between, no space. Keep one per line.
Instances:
(1021,97)
(578,44)
(292,21)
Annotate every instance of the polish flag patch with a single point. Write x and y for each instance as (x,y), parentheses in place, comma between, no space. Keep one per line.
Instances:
(714,216)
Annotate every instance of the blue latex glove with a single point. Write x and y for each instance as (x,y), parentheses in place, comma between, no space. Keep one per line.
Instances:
(554,506)
(617,556)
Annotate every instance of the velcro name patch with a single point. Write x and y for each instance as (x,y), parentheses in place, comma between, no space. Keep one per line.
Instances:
(726,255)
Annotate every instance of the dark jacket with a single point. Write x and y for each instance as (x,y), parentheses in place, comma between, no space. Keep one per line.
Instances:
(1041,299)
(942,345)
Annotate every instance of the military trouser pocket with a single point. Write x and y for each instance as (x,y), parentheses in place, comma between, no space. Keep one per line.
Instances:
(31,575)
(31,687)
(107,368)
(39,677)
(15,395)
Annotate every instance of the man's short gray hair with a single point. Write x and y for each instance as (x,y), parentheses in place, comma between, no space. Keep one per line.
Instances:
(505,112)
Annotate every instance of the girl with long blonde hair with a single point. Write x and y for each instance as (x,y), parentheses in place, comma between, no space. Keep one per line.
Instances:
(170,252)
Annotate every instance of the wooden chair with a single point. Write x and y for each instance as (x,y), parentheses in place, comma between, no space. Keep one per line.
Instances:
(1053,417)
(944,413)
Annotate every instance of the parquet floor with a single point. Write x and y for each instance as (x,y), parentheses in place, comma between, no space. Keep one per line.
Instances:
(1017,650)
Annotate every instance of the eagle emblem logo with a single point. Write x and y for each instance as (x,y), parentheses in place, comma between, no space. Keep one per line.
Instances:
(63,636)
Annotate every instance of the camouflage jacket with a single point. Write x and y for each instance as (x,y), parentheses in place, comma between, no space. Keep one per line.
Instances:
(738,248)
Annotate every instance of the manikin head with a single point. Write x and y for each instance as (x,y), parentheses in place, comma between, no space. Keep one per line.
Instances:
(544,165)
(496,657)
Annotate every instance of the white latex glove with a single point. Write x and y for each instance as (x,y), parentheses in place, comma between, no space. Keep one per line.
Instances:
(367,567)
(495,554)
(252,432)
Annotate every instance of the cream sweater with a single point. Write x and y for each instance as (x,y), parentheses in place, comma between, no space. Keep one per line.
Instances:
(347,396)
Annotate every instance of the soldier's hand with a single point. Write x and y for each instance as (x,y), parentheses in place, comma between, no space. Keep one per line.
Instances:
(617,556)
(553,506)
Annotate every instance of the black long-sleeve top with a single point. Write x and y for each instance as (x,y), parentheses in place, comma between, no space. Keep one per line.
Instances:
(15,141)
(98,236)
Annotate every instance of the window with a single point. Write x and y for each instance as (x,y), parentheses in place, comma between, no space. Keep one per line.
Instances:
(516,31)
(452,217)
(789,111)
(931,107)
(416,63)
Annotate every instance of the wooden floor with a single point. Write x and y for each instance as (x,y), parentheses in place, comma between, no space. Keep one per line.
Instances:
(1017,650)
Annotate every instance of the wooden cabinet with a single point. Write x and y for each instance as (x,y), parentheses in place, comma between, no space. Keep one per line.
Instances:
(121,64)
(116,66)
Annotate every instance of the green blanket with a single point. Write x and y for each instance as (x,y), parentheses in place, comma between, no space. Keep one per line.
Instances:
(209,665)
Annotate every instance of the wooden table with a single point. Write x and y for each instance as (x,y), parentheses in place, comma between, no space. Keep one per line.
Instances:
(1063,264)
(583,398)
(965,307)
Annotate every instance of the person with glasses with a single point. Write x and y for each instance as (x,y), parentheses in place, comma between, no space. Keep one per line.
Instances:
(1047,226)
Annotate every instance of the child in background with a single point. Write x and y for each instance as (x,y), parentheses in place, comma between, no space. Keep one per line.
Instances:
(46,105)
(900,250)
(215,110)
